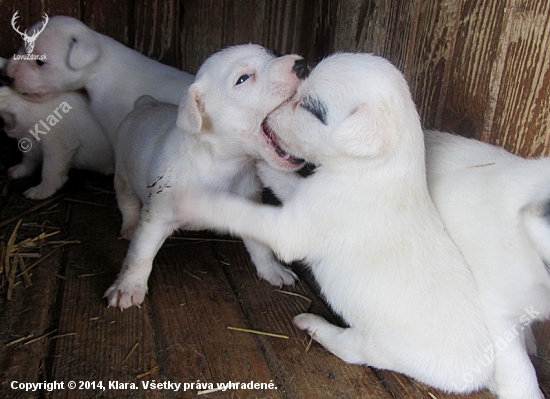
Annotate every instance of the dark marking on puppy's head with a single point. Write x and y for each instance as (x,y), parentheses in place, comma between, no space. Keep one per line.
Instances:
(316,107)
(545,211)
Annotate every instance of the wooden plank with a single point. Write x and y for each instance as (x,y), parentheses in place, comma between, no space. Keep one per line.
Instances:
(192,304)
(27,316)
(101,341)
(279,24)
(300,374)
(474,70)
(542,360)
(100,347)
(521,119)
(155,29)
(114,19)
(199,40)
(55,7)
(427,63)
(275,25)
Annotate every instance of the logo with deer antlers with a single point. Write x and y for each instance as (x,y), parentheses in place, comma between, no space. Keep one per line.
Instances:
(29,40)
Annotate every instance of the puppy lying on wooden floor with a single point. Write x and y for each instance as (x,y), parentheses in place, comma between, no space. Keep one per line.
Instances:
(366,226)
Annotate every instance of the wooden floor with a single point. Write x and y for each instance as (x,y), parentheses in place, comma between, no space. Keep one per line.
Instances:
(60,329)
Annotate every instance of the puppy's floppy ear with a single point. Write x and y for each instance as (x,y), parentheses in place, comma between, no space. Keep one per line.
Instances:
(190,115)
(358,135)
(83,51)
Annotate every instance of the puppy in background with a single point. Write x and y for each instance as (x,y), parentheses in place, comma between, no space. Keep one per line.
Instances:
(496,207)
(365,224)
(208,143)
(59,133)
(113,75)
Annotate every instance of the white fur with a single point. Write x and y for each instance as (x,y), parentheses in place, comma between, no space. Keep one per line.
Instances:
(365,224)
(218,127)
(495,207)
(113,75)
(75,140)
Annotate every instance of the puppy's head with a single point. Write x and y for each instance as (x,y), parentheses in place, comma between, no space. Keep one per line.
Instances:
(234,90)
(351,105)
(70,48)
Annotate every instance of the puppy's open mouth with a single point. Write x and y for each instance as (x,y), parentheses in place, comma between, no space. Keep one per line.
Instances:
(37,97)
(272,141)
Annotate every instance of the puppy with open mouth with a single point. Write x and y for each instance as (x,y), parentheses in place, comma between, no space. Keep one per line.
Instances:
(210,142)
(366,226)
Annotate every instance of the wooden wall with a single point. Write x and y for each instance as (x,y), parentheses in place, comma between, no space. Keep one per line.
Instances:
(480,68)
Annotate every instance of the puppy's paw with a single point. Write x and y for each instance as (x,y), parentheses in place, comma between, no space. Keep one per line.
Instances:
(278,275)
(19,171)
(40,192)
(309,322)
(123,296)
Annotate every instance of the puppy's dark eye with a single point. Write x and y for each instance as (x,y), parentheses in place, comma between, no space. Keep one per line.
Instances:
(242,79)
(40,63)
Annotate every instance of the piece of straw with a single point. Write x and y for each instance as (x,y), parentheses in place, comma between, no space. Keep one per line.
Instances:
(257,332)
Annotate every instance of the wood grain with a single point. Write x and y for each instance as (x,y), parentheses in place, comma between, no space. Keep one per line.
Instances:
(521,121)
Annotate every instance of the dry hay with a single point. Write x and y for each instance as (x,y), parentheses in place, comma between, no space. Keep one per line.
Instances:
(17,259)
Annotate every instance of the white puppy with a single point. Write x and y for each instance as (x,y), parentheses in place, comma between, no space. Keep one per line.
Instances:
(113,75)
(59,132)
(218,127)
(365,224)
(496,207)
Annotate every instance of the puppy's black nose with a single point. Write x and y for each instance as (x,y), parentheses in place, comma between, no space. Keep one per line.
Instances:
(300,69)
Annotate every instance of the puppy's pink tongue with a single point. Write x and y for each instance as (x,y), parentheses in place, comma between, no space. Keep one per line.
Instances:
(272,140)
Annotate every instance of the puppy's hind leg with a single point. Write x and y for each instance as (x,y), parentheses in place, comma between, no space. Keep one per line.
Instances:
(128,203)
(346,343)
(515,376)
(268,266)
(130,287)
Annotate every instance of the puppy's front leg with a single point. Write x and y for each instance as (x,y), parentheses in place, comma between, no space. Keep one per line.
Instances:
(130,287)
(269,269)
(26,168)
(267,224)
(55,171)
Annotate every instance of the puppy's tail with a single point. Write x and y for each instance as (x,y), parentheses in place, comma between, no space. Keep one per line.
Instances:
(145,100)
(536,220)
